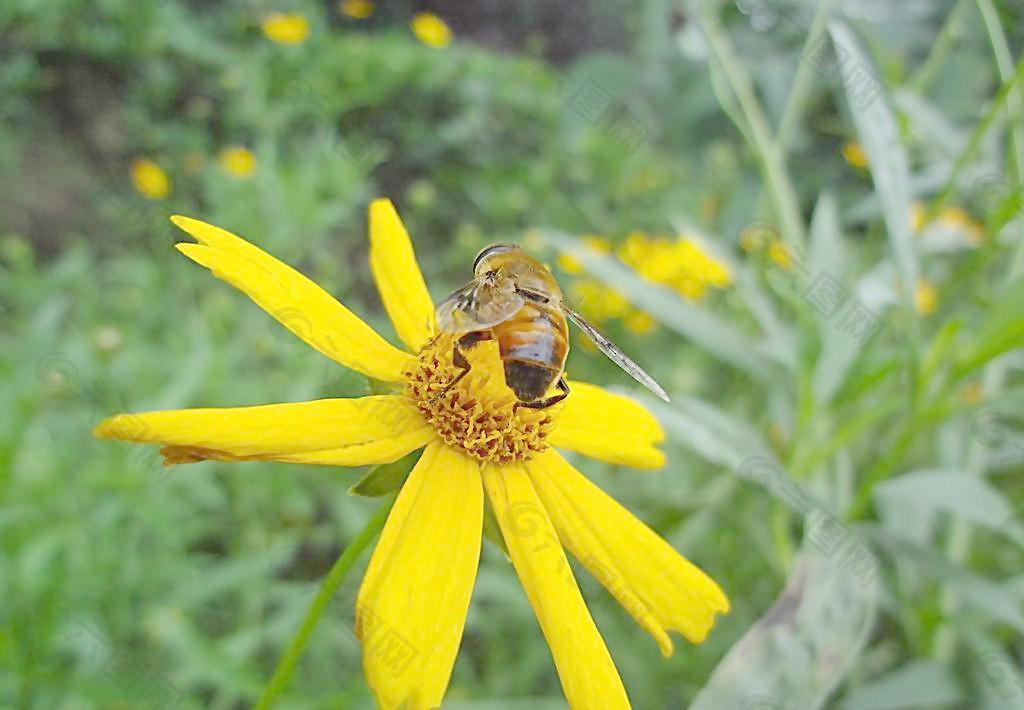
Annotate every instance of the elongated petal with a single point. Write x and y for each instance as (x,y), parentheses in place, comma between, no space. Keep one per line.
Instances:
(654,583)
(375,429)
(588,675)
(373,452)
(398,276)
(412,605)
(298,303)
(609,427)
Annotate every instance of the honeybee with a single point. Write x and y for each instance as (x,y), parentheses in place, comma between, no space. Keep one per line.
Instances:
(514,299)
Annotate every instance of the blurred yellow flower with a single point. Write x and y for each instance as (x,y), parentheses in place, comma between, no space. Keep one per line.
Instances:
(357,9)
(681,264)
(926,297)
(599,302)
(918,215)
(639,322)
(972,393)
(150,179)
(778,253)
(953,219)
(431,30)
(854,154)
(286,27)
(599,244)
(237,161)
(756,237)
(956,218)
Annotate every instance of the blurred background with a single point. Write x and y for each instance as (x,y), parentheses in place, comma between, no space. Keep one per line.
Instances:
(803,217)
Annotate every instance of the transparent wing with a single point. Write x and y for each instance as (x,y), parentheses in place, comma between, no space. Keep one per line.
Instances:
(478,306)
(614,354)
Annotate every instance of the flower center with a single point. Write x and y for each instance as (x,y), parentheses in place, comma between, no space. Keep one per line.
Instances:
(478,413)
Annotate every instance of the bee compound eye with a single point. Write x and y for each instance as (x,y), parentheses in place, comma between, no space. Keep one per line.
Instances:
(489,251)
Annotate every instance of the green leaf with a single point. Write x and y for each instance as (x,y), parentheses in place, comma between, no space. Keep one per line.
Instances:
(996,673)
(879,134)
(385,478)
(721,439)
(839,347)
(977,591)
(962,494)
(796,654)
(917,684)
(1001,331)
(492,530)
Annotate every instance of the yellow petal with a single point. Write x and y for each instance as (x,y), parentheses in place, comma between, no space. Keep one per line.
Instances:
(298,303)
(589,678)
(346,432)
(654,583)
(398,276)
(412,605)
(609,427)
(373,452)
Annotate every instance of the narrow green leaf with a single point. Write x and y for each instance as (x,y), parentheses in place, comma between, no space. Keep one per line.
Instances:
(917,684)
(492,530)
(796,654)
(954,492)
(887,160)
(385,478)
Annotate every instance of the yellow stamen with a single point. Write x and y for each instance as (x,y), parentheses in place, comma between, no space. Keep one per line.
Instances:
(478,414)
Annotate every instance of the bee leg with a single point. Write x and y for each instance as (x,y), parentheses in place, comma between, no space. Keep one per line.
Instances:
(548,401)
(459,360)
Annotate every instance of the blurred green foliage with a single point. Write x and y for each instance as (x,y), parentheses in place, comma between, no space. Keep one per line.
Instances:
(123,584)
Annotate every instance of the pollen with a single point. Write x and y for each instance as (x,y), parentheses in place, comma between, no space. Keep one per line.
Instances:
(478,413)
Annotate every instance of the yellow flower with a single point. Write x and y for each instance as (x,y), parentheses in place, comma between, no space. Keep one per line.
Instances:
(756,237)
(854,154)
(972,393)
(150,179)
(286,27)
(357,9)
(237,161)
(431,30)
(599,302)
(926,297)
(476,442)
(778,253)
(957,219)
(681,264)
(639,322)
(599,244)
(918,216)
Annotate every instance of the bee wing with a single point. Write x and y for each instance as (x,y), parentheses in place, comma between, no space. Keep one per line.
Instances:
(614,354)
(478,306)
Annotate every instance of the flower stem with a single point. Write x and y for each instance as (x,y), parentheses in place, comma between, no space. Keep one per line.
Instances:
(286,666)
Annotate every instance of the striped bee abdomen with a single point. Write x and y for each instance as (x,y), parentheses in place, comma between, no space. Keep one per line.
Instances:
(533,345)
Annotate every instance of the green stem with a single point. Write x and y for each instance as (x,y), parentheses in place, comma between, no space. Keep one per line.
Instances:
(976,138)
(930,69)
(804,73)
(770,156)
(289,661)
(1004,63)
(958,544)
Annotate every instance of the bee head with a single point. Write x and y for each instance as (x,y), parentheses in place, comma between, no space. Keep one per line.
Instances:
(490,258)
